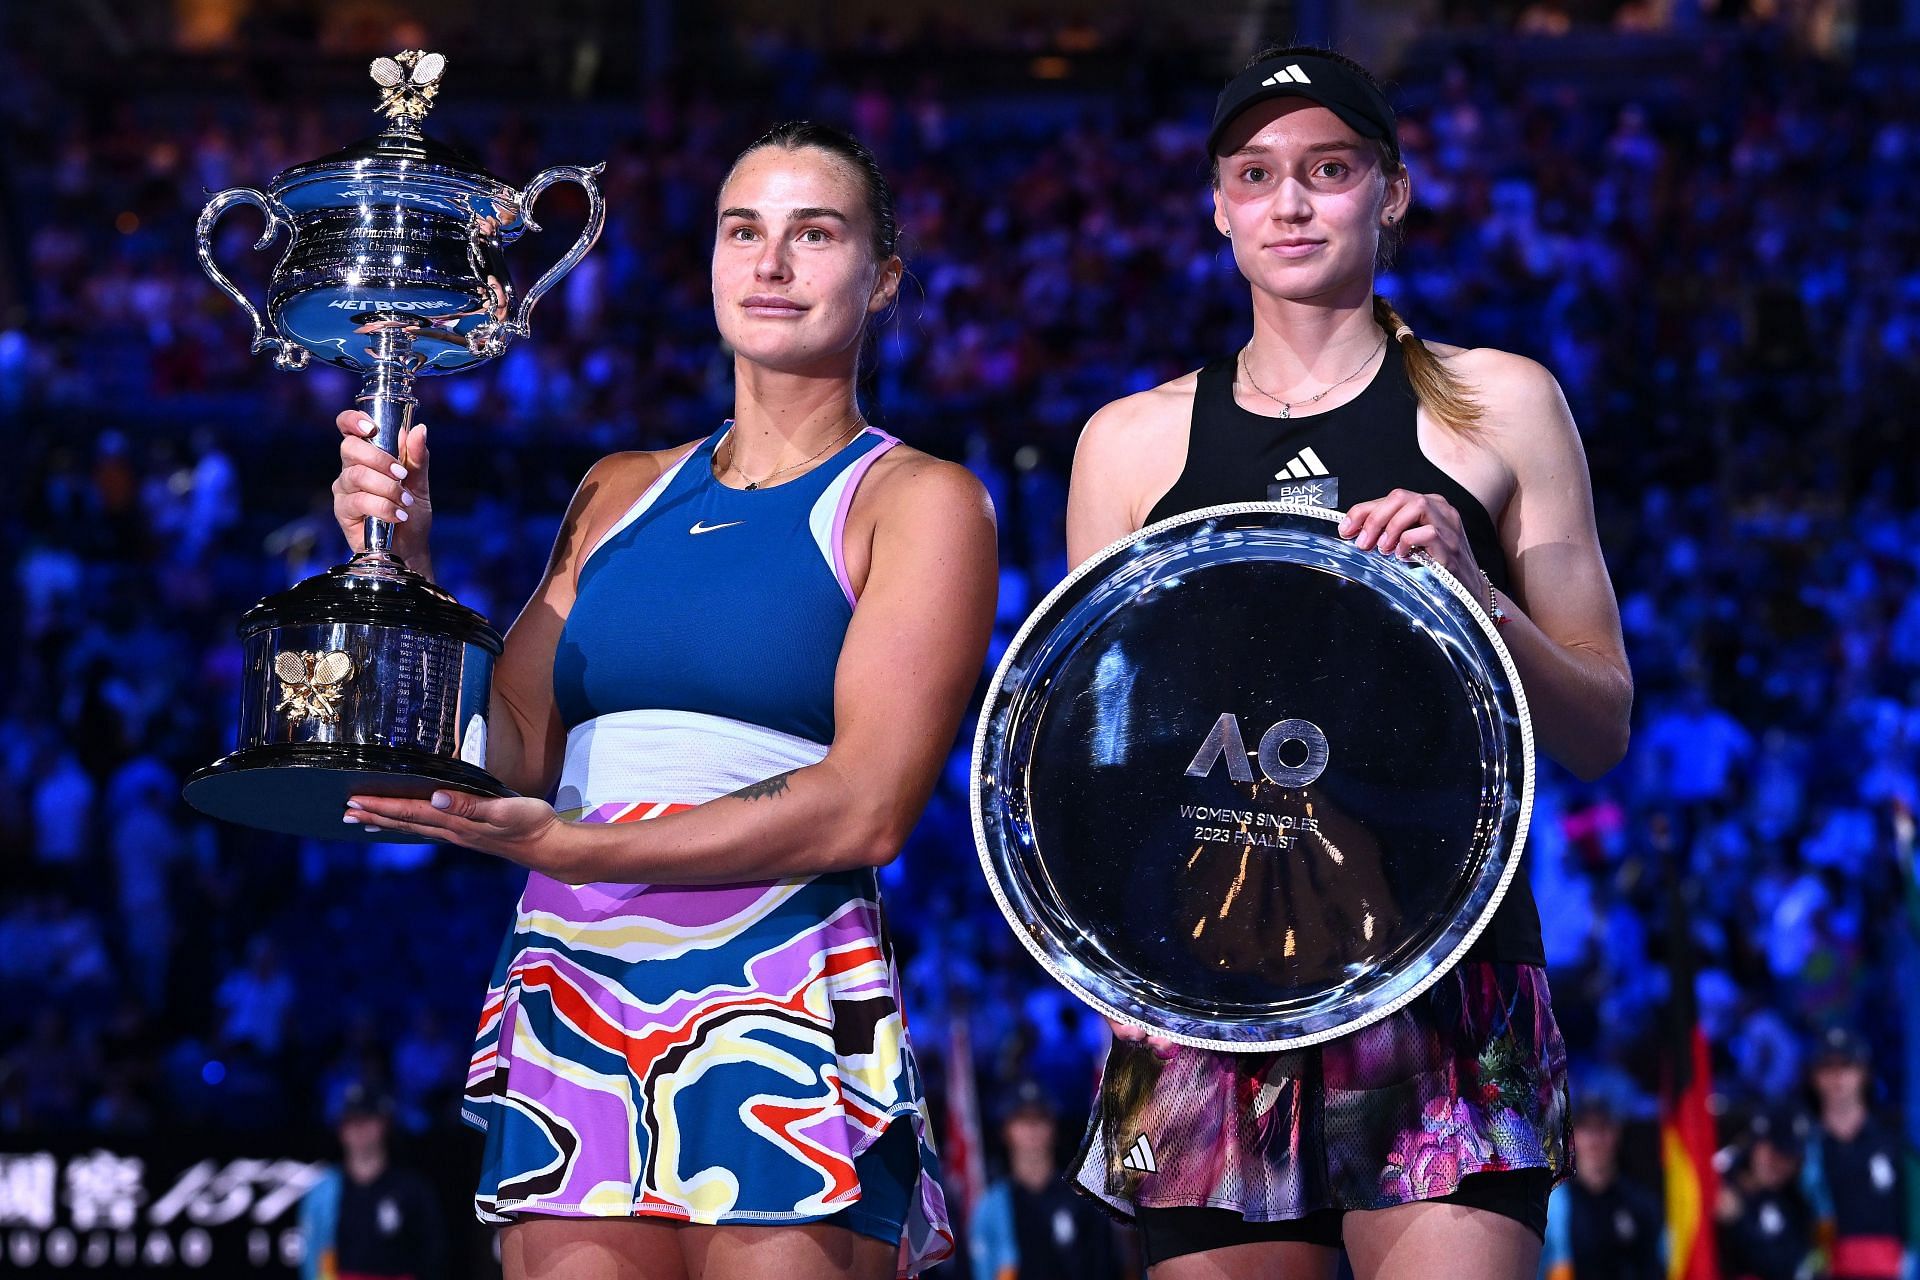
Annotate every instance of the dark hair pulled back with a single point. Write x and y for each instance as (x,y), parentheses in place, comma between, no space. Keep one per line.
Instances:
(792,135)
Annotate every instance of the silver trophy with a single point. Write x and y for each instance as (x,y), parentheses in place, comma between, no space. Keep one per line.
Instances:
(1241,783)
(369,678)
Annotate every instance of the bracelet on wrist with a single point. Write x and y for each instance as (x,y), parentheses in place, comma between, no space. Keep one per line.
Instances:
(1494,610)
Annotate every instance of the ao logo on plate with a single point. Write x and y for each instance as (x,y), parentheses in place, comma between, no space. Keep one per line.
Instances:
(1224,740)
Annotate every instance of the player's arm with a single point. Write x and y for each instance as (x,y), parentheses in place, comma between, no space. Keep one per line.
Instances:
(1123,464)
(1564,631)
(525,740)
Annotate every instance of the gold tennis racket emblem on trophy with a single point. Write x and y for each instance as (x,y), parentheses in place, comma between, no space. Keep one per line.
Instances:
(312,684)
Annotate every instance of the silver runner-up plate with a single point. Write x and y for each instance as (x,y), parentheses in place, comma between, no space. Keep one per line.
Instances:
(1248,786)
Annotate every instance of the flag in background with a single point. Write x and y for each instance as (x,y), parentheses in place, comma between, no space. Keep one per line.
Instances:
(963,1148)
(1686,1125)
(1906,960)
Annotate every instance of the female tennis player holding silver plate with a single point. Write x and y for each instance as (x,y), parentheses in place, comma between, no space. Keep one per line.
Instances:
(1425,1143)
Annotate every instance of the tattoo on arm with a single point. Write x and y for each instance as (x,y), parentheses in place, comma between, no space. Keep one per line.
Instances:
(776,785)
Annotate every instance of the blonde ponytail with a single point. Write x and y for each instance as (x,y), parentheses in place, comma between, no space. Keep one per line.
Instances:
(1439,392)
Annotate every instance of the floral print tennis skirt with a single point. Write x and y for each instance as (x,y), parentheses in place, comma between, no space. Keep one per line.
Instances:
(1471,1077)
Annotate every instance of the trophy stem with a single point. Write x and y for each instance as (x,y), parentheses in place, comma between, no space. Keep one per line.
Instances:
(386,396)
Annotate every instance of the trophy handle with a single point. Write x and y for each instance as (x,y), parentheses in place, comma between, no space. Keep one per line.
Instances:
(596,218)
(286,355)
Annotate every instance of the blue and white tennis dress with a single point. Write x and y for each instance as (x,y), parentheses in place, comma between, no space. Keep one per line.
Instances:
(714,1054)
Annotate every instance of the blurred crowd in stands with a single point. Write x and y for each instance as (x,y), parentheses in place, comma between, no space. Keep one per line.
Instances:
(1722,267)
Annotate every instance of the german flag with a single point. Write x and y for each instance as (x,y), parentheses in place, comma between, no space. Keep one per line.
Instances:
(1686,1126)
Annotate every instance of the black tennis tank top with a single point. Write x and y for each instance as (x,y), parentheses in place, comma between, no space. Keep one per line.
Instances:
(1349,454)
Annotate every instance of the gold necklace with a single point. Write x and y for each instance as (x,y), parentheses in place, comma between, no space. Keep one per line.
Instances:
(1286,406)
(733,451)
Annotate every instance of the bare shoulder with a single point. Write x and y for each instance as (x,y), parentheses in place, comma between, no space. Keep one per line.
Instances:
(1138,420)
(1525,416)
(1513,388)
(620,478)
(1130,452)
(636,466)
(615,483)
(909,482)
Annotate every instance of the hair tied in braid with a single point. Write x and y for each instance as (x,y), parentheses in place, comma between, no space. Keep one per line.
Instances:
(1440,393)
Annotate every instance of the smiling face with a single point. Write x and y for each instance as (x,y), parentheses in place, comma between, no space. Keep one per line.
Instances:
(1305,199)
(795,272)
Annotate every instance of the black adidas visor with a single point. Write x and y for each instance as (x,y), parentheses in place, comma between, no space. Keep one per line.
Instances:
(1322,80)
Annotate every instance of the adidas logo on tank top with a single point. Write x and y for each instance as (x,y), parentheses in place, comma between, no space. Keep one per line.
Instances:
(1305,478)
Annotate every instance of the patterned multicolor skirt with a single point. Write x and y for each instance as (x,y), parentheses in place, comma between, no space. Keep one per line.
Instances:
(715,1054)
(1469,1078)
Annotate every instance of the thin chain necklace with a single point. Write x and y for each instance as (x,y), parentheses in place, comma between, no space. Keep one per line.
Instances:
(1286,406)
(733,451)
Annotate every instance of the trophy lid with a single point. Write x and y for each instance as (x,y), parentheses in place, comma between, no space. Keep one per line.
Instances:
(394,148)
(397,234)
(343,594)
(1249,786)
(408,82)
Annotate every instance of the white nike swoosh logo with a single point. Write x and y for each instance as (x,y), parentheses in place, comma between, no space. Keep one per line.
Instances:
(700,526)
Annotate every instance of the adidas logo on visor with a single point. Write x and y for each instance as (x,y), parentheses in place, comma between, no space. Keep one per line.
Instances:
(1292,74)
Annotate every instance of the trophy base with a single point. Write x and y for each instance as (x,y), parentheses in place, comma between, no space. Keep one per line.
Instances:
(301,789)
